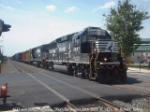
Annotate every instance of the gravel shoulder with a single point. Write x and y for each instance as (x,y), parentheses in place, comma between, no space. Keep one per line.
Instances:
(9,68)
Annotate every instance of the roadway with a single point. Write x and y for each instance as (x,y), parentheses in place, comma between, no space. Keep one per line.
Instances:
(41,88)
(138,81)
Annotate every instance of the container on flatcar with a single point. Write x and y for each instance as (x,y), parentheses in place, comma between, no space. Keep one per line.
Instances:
(16,57)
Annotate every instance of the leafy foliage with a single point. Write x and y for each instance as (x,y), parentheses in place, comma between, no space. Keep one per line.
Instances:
(124,24)
(139,58)
(3,59)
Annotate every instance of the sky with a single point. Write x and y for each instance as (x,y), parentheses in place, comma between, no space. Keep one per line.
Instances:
(37,22)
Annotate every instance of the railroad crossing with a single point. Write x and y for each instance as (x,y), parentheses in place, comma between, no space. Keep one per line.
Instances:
(36,88)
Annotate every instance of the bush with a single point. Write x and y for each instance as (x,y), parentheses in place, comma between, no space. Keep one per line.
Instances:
(129,60)
(3,59)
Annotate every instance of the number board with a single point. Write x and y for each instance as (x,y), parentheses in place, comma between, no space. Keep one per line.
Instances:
(64,38)
(96,32)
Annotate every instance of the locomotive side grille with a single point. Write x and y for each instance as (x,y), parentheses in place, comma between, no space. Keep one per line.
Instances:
(106,46)
(115,46)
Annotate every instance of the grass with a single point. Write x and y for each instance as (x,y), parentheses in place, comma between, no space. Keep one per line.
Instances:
(142,66)
(3,63)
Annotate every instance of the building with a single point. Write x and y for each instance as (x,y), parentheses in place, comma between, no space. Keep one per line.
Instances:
(142,53)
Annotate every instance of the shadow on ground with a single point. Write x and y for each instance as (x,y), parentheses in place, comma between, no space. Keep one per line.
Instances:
(7,107)
(131,80)
(124,98)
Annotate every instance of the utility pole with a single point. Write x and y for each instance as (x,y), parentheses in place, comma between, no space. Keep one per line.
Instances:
(3,28)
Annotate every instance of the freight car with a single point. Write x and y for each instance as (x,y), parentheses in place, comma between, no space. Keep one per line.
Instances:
(26,56)
(90,53)
(16,57)
(20,57)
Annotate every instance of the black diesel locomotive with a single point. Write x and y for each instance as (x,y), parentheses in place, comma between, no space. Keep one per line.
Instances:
(90,53)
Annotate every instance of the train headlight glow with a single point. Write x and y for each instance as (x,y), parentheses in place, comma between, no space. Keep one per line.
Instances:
(105,59)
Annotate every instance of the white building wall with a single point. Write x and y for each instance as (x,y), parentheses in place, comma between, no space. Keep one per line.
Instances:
(144,56)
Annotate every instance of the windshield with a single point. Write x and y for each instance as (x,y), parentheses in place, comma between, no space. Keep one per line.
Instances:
(96,37)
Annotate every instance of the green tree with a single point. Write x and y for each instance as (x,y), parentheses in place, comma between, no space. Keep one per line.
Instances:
(124,23)
(139,58)
(3,59)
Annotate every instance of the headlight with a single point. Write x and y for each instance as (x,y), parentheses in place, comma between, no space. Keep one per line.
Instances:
(105,59)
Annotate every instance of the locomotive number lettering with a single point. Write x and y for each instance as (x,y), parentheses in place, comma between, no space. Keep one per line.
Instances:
(92,32)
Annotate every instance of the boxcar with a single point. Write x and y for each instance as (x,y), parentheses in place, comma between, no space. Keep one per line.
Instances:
(20,57)
(26,56)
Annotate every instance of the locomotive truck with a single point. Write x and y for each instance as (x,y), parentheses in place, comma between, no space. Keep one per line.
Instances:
(90,53)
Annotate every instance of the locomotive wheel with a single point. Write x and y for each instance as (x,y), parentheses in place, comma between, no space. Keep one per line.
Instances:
(83,75)
(4,101)
(87,73)
(101,79)
(47,66)
(41,65)
(30,63)
(70,70)
(90,75)
(74,73)
(38,64)
(51,66)
(123,77)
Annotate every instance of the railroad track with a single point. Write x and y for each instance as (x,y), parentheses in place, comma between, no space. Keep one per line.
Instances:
(21,68)
(73,106)
(147,96)
(144,97)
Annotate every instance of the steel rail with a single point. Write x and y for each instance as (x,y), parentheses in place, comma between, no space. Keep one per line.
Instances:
(18,68)
(147,96)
